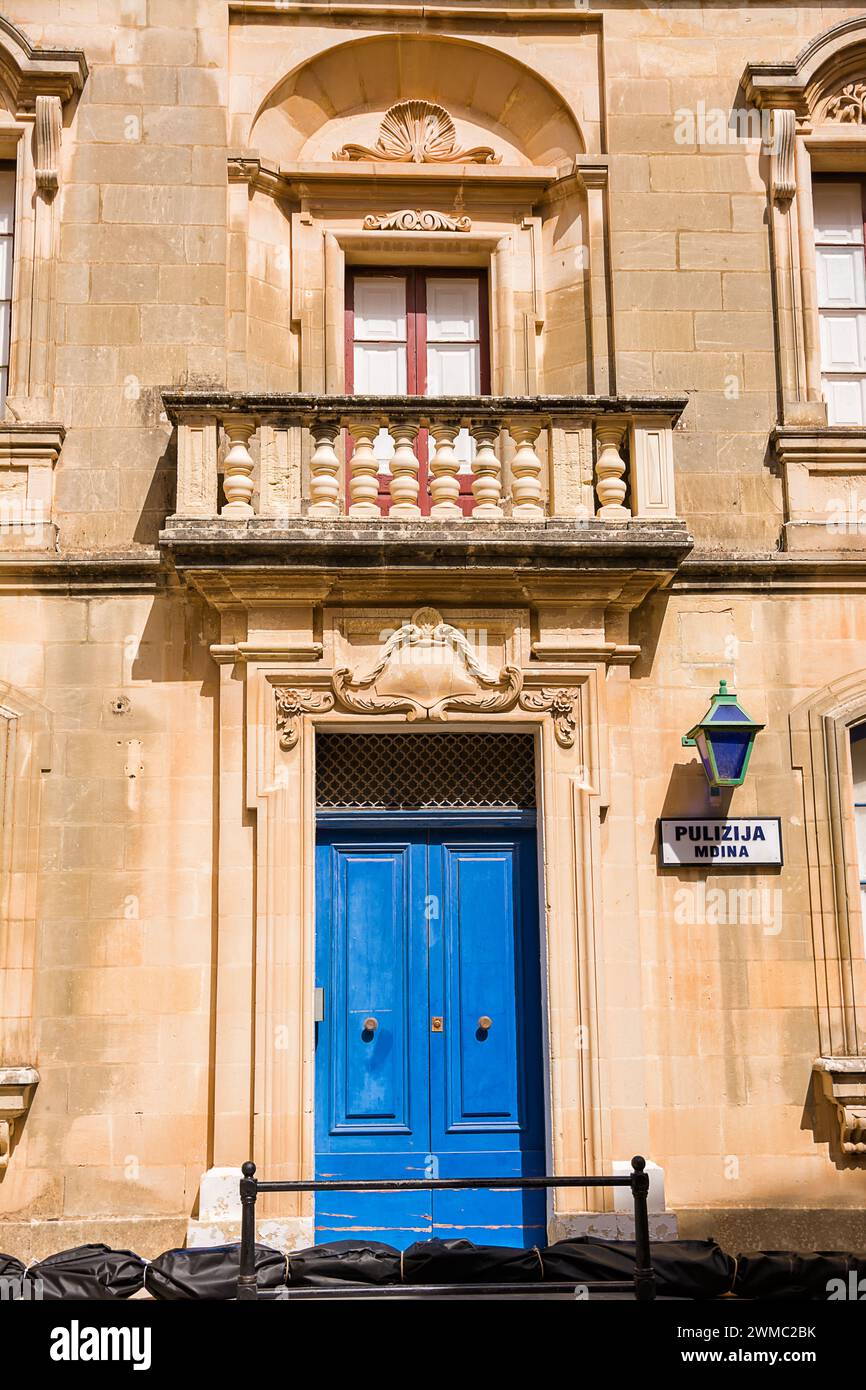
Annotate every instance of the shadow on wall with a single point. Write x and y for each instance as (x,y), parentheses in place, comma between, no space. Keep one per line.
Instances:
(160,499)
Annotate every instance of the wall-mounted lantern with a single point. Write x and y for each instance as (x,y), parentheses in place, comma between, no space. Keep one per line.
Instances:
(724,739)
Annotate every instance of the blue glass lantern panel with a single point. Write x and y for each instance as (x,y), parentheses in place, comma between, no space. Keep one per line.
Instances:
(731,750)
(701,743)
(727,714)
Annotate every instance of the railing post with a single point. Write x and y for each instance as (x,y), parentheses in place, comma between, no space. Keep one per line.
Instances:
(526,490)
(644,1279)
(610,471)
(364,469)
(444,467)
(324,470)
(404,486)
(247,1284)
(238,483)
(486,473)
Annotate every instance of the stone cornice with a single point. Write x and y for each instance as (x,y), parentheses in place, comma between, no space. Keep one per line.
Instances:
(28,71)
(315,11)
(297,405)
(709,572)
(795,83)
(70,574)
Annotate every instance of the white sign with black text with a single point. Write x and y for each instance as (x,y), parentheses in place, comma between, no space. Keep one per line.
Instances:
(742,842)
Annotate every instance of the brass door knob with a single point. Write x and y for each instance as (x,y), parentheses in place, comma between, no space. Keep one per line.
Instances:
(370,1025)
(485,1022)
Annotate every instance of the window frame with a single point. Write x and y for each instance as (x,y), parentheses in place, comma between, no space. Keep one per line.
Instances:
(416,277)
(857,178)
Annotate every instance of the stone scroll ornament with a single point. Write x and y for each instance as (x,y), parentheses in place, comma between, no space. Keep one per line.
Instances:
(414,220)
(560,704)
(291,704)
(418,132)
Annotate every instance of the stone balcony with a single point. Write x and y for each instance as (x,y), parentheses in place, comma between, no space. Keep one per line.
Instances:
(545,480)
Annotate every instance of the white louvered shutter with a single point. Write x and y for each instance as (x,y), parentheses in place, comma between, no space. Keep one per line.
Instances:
(841,271)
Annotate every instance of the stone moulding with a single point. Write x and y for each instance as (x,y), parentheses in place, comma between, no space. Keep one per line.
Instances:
(418,132)
(414,220)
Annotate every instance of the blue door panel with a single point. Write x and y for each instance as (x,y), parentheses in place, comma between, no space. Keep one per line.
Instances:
(397,1218)
(496,1217)
(482,1065)
(427,932)
(371,1085)
(371,969)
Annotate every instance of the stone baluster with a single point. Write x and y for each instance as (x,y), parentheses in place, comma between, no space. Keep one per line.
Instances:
(610,471)
(238,467)
(486,473)
(324,470)
(364,470)
(526,491)
(404,485)
(444,467)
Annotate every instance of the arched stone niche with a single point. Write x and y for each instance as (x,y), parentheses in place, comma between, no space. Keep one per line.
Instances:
(310,192)
(342,94)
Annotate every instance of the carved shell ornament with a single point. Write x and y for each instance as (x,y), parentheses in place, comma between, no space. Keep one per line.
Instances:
(849,107)
(418,132)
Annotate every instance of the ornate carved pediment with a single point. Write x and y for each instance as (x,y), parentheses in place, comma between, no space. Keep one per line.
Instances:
(414,220)
(427,667)
(849,107)
(418,132)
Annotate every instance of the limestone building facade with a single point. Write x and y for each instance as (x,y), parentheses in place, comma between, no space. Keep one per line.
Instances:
(378,375)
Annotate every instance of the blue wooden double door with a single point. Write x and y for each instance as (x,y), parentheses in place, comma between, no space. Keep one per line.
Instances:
(429,1051)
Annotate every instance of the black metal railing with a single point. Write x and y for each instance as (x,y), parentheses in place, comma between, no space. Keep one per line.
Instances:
(643,1284)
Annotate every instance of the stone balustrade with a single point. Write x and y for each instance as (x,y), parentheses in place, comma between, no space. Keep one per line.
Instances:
(518,458)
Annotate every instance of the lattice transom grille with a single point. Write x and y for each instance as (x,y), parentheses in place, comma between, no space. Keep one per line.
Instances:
(421,772)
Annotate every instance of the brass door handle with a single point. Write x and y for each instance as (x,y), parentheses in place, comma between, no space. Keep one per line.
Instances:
(485,1022)
(370,1025)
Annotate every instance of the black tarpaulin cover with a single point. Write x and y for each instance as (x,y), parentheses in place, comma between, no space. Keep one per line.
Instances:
(345,1262)
(787,1274)
(210,1272)
(10,1268)
(461,1262)
(683,1268)
(89,1272)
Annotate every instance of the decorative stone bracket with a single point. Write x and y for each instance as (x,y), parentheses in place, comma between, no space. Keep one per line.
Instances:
(17,1085)
(842,1082)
